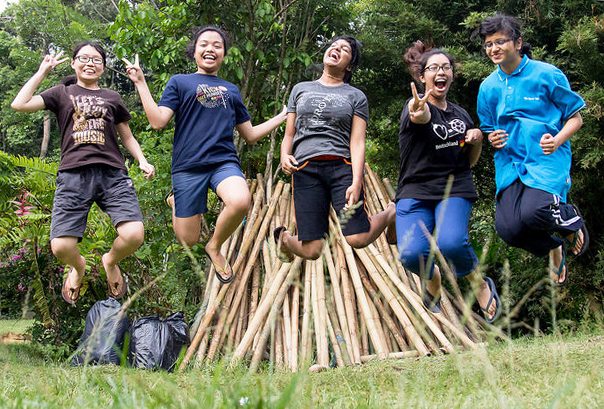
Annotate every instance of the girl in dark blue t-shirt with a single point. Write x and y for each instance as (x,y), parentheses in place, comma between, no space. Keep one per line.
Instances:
(207,108)
(438,143)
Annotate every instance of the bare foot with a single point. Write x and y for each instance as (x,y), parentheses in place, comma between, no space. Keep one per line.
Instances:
(577,238)
(115,280)
(391,229)
(556,258)
(223,269)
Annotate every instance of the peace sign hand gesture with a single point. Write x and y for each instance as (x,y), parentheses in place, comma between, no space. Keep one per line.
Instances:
(418,107)
(134,70)
(50,61)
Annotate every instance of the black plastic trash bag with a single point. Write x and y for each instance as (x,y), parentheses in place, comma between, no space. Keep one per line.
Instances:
(155,343)
(104,334)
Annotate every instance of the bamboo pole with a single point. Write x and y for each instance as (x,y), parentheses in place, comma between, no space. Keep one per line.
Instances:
(389,295)
(349,306)
(337,296)
(392,355)
(338,333)
(293,358)
(263,309)
(334,343)
(388,321)
(306,311)
(274,311)
(320,330)
(378,343)
(287,331)
(279,343)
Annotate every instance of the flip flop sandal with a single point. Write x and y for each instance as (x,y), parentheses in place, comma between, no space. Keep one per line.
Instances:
(219,273)
(571,244)
(430,302)
(494,296)
(66,292)
(561,267)
(169,196)
(122,290)
(283,255)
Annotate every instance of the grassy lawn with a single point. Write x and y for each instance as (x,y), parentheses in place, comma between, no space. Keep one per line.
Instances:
(15,326)
(553,372)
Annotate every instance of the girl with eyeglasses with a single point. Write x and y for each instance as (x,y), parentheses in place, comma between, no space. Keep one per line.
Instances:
(438,145)
(207,109)
(92,167)
(324,151)
(530,113)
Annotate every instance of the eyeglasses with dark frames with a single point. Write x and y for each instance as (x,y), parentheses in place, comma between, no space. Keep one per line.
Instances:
(84,59)
(436,67)
(489,44)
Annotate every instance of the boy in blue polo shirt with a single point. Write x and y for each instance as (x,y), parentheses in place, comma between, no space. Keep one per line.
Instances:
(529,112)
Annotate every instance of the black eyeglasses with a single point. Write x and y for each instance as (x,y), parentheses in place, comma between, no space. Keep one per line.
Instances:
(436,67)
(84,59)
(498,43)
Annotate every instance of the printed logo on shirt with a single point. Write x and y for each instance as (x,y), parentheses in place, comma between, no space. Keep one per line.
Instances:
(531,98)
(450,131)
(212,97)
(88,119)
(318,102)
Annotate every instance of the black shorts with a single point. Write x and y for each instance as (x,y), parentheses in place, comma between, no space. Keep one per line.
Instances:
(78,189)
(317,184)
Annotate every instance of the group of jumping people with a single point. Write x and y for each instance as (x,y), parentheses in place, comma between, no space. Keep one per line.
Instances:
(525,107)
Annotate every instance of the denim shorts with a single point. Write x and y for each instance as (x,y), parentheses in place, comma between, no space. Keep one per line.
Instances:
(77,189)
(318,184)
(191,187)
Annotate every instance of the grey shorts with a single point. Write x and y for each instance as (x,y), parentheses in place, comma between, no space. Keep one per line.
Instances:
(78,189)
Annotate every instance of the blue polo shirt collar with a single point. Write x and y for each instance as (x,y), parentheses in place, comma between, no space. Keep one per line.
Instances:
(503,76)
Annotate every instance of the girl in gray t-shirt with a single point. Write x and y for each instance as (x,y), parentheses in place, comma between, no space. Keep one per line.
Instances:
(324,151)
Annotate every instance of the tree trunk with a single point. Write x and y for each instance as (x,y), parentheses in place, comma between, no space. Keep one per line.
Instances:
(46,136)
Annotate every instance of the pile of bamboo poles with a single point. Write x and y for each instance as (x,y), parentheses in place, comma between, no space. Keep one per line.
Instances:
(347,307)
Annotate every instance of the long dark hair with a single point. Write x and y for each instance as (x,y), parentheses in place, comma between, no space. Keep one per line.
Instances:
(416,57)
(72,79)
(197,31)
(509,25)
(355,49)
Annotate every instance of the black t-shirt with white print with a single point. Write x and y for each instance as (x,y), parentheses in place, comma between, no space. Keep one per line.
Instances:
(430,153)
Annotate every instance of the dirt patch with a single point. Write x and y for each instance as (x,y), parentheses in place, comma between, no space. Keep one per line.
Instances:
(14,338)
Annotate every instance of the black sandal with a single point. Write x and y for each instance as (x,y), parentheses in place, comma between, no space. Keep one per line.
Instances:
(283,255)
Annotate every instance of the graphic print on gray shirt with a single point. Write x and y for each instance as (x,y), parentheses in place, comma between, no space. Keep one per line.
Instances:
(324,118)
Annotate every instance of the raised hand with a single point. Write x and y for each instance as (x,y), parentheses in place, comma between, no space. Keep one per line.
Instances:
(417,104)
(134,70)
(50,61)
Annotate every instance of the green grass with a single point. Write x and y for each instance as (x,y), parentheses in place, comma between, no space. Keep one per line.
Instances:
(548,372)
(16,326)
